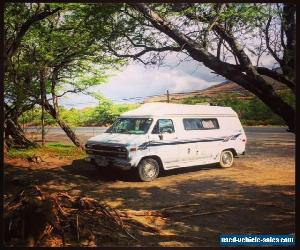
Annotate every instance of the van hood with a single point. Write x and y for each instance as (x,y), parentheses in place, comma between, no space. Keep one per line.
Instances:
(116,138)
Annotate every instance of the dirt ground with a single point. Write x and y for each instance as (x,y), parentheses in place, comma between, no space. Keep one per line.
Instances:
(256,196)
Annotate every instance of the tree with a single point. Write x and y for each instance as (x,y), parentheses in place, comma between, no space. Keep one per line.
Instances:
(220,36)
(14,33)
(107,112)
(73,56)
(64,58)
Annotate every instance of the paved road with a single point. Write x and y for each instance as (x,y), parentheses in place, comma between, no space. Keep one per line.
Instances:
(253,133)
(79,130)
(269,133)
(98,130)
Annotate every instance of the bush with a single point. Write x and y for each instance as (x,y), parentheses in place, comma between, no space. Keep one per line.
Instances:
(107,112)
(251,110)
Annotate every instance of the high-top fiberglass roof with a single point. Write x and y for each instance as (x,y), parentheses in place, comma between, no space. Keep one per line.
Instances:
(159,109)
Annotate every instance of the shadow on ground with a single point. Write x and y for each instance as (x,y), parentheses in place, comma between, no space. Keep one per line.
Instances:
(218,204)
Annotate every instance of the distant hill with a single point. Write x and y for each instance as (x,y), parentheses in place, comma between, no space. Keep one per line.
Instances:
(227,87)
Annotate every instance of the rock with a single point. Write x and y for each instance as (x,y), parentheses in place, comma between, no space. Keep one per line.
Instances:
(38,159)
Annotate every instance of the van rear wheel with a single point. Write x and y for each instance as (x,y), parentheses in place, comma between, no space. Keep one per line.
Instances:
(148,169)
(226,159)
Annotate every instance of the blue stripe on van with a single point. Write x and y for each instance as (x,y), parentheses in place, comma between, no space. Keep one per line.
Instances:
(182,142)
(155,144)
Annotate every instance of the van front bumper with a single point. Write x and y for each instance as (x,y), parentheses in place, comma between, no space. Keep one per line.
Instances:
(102,161)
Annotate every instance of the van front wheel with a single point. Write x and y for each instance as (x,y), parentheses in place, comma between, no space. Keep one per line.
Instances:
(148,169)
(226,159)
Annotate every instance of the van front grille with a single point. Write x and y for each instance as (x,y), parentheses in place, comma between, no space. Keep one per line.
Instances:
(105,150)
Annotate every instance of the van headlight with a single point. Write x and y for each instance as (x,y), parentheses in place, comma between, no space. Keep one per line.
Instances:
(88,145)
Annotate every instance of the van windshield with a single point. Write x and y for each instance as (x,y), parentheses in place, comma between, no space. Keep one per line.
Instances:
(130,126)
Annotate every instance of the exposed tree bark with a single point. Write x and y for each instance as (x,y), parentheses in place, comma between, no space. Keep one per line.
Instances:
(277,76)
(289,28)
(13,129)
(65,127)
(54,110)
(252,80)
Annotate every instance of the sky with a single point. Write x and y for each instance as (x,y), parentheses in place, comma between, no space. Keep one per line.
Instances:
(135,82)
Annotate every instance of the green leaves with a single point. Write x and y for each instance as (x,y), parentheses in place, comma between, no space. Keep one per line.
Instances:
(244,14)
(107,112)
(69,44)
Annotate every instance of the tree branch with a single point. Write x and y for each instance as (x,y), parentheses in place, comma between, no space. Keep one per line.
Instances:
(243,58)
(78,90)
(266,31)
(219,9)
(276,76)
(24,28)
(251,81)
(272,74)
(146,49)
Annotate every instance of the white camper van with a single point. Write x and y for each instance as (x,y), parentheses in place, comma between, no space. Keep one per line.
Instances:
(159,136)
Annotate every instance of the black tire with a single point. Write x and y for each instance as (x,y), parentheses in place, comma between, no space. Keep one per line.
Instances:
(148,169)
(226,159)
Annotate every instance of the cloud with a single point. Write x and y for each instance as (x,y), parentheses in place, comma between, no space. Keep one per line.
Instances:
(136,82)
(139,81)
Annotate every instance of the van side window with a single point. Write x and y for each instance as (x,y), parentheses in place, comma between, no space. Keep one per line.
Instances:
(163,126)
(200,124)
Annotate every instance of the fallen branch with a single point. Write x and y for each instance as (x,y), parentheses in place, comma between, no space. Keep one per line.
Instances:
(59,213)
(180,206)
(143,225)
(205,213)
(77,227)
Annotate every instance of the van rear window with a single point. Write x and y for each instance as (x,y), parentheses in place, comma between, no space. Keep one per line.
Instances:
(200,124)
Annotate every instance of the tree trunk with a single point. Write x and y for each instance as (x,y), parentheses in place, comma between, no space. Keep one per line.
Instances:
(255,84)
(289,27)
(5,148)
(14,130)
(70,133)
(65,127)
(268,96)
(43,97)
